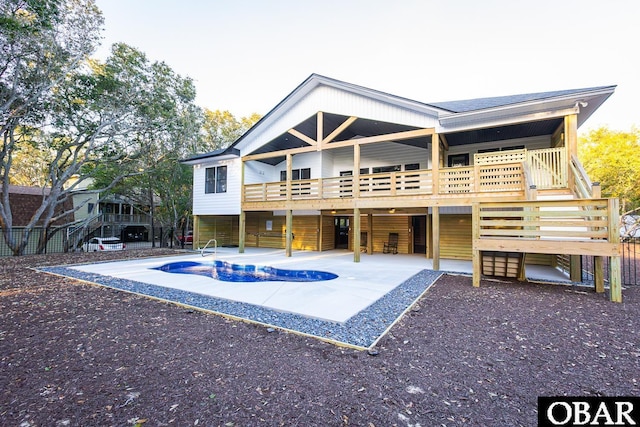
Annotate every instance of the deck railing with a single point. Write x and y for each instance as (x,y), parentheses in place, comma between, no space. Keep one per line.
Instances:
(548,166)
(572,227)
(493,172)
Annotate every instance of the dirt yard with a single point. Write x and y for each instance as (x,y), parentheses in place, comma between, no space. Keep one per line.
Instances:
(75,354)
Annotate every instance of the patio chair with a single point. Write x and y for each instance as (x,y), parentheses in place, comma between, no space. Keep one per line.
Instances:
(363,241)
(392,245)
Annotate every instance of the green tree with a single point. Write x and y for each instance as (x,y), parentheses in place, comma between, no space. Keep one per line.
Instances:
(613,159)
(169,124)
(41,43)
(221,128)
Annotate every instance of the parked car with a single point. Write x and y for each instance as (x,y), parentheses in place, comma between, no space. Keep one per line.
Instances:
(188,239)
(103,244)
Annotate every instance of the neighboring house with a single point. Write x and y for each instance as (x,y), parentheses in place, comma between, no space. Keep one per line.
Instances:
(24,202)
(340,166)
(112,215)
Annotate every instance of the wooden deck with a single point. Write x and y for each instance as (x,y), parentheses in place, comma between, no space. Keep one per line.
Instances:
(573,227)
(503,175)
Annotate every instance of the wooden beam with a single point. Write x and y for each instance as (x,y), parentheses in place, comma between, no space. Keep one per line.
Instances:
(280,153)
(339,130)
(557,137)
(591,247)
(319,129)
(398,136)
(302,136)
(445,143)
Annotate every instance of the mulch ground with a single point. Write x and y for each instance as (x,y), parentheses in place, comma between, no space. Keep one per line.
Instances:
(82,355)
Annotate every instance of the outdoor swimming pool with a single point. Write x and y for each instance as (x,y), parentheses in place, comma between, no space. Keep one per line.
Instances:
(228,272)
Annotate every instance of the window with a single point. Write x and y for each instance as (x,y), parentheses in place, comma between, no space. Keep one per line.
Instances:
(90,207)
(458,160)
(412,181)
(216,180)
(382,169)
(296,174)
(489,150)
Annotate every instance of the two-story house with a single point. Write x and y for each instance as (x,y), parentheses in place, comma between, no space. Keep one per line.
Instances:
(339,166)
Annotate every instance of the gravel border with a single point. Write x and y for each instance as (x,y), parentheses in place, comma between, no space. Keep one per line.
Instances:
(362,330)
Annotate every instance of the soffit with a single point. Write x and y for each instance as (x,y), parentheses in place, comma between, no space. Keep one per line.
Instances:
(359,128)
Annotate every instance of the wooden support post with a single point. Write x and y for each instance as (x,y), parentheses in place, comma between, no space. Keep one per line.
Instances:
(356,234)
(575,268)
(598,274)
(615,284)
(243,218)
(615,272)
(320,229)
(288,233)
(242,190)
(289,174)
(571,144)
(522,272)
(475,235)
(429,228)
(196,232)
(370,234)
(356,171)
(436,238)
(242,226)
(435,162)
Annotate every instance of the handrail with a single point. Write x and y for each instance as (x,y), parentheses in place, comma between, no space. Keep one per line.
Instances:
(529,186)
(583,185)
(215,247)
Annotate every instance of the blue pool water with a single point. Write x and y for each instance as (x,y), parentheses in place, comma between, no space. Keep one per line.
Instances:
(228,272)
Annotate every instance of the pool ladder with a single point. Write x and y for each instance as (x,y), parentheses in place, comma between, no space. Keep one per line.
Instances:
(215,247)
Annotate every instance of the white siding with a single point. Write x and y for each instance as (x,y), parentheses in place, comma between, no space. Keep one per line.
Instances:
(258,172)
(383,154)
(217,203)
(302,161)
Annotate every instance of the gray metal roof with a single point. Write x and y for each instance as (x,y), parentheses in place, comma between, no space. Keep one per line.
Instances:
(467,105)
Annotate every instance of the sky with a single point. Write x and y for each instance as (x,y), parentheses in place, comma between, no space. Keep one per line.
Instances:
(245,56)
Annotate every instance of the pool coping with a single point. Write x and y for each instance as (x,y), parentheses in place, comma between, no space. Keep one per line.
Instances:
(362,331)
